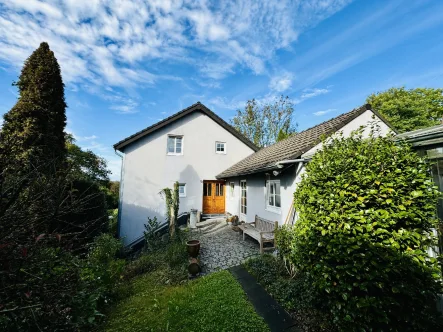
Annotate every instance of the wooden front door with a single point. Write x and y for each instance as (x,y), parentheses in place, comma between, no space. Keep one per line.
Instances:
(213,197)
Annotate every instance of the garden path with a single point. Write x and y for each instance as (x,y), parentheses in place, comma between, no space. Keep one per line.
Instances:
(225,248)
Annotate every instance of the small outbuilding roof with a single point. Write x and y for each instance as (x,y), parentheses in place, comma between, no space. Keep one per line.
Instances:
(292,147)
(423,137)
(197,107)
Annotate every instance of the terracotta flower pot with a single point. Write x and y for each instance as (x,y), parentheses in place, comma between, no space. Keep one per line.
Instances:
(193,248)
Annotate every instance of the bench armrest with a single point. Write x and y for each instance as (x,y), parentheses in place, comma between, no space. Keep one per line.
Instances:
(271,232)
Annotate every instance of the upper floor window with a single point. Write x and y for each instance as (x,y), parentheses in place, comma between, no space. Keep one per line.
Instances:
(220,147)
(182,190)
(175,145)
(273,197)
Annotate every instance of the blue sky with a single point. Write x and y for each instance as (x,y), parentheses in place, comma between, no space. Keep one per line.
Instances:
(128,64)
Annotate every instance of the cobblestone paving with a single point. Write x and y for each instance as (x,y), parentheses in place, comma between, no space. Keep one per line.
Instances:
(225,248)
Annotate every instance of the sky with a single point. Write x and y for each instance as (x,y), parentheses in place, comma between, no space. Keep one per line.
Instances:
(128,64)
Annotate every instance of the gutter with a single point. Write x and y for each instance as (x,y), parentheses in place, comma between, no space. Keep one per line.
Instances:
(291,161)
(279,164)
(120,194)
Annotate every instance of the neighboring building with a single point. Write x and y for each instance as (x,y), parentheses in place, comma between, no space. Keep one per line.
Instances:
(428,142)
(190,147)
(264,183)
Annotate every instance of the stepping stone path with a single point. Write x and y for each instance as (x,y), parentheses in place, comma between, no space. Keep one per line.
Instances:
(224,248)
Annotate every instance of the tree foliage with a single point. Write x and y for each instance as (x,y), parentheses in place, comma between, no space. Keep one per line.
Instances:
(366,211)
(265,123)
(47,216)
(33,130)
(410,109)
(85,164)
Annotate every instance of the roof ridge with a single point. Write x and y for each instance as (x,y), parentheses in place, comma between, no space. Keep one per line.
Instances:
(363,107)
(198,106)
(294,145)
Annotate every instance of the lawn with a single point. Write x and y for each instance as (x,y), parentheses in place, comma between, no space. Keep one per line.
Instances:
(211,303)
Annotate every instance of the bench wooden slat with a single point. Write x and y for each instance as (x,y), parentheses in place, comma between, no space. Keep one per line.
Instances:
(261,230)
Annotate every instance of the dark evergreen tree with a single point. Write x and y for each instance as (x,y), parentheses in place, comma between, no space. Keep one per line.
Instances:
(33,131)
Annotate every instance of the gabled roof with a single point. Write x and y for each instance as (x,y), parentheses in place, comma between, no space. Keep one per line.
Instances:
(292,147)
(197,107)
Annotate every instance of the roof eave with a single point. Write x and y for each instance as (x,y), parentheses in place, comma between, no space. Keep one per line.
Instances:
(195,107)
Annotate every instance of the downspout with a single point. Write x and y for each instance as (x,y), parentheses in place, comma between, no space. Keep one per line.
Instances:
(120,195)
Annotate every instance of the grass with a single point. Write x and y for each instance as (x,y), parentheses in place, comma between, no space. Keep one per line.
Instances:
(211,303)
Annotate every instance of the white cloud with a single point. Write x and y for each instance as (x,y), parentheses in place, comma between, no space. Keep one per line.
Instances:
(224,103)
(281,83)
(129,107)
(310,93)
(111,42)
(320,113)
(87,138)
(1,122)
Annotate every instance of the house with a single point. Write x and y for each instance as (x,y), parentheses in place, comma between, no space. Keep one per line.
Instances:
(219,170)
(191,147)
(263,183)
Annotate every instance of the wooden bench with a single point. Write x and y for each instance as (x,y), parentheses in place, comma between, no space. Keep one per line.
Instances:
(261,229)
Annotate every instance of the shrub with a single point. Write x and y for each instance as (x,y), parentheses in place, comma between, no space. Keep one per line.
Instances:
(295,293)
(113,221)
(101,271)
(366,210)
(144,263)
(151,234)
(89,218)
(102,261)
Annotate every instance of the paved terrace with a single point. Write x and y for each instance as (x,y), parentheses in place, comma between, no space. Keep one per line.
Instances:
(223,248)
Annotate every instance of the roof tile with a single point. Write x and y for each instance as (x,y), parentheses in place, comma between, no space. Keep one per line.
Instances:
(292,147)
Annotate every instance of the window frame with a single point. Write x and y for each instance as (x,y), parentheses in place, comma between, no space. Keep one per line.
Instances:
(184,189)
(243,216)
(273,208)
(224,147)
(175,145)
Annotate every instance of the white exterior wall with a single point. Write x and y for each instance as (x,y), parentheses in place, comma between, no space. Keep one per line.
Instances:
(366,119)
(147,169)
(256,195)
(256,183)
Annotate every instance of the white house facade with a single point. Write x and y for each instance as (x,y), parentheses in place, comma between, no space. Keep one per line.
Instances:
(264,183)
(190,147)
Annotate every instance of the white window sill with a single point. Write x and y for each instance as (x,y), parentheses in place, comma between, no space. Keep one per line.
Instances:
(181,195)
(174,154)
(218,152)
(273,209)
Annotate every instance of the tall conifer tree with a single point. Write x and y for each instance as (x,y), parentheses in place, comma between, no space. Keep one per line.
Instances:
(33,130)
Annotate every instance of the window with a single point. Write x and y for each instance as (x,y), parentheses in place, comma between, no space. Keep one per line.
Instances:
(243,200)
(182,190)
(220,147)
(231,190)
(219,188)
(175,145)
(273,199)
(207,189)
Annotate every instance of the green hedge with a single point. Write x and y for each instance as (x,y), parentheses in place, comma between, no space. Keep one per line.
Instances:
(366,209)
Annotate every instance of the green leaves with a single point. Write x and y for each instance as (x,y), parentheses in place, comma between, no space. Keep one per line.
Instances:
(411,109)
(266,123)
(366,209)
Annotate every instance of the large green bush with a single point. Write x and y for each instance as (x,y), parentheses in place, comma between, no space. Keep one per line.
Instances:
(366,209)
